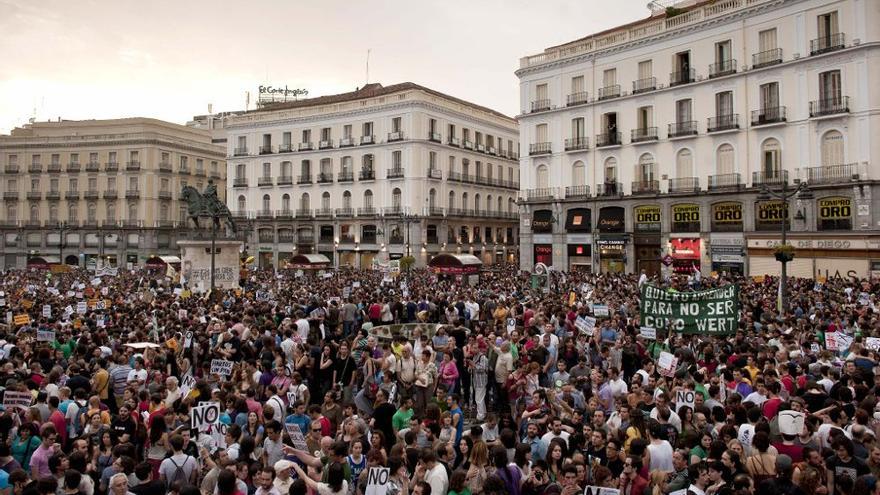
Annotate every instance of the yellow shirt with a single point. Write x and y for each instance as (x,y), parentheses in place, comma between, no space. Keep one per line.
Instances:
(102,379)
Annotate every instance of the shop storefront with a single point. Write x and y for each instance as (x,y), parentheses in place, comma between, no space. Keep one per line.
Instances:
(825,257)
(646,240)
(543,253)
(684,241)
(726,241)
(612,240)
(266,259)
(579,241)
(347,258)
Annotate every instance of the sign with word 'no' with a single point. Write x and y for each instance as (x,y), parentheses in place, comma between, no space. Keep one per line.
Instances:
(204,415)
(685,398)
(713,311)
(377,481)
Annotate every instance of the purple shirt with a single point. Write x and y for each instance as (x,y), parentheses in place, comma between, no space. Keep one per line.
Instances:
(40,462)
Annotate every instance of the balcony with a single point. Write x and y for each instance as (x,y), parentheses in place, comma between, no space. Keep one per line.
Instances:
(214,174)
(72,195)
(492,151)
(346,239)
(93,194)
(305,238)
(184,169)
(577,192)
(367,211)
(770,115)
(767,58)
(240,151)
(325,144)
(723,122)
(644,134)
(200,172)
(540,105)
(305,146)
(769,178)
(344,212)
(609,92)
(608,139)
(577,143)
(368,139)
(392,211)
(539,149)
(345,142)
(35,195)
(453,141)
(325,178)
(435,173)
(92,166)
(435,211)
(480,148)
(608,189)
(345,177)
(55,195)
(11,168)
(285,180)
(540,194)
(680,185)
(467,144)
(828,43)
(398,239)
(285,148)
(679,77)
(367,175)
(110,194)
(266,149)
(10,195)
(304,179)
(645,187)
(395,136)
(723,68)
(303,213)
(578,98)
(722,182)
(395,173)
(264,181)
(265,214)
(74,167)
(829,106)
(240,182)
(266,237)
(433,239)
(284,214)
(34,168)
(644,85)
(131,223)
(133,165)
(165,167)
(129,194)
(680,129)
(54,168)
(833,174)
(434,136)
(111,167)
(324,213)
(285,237)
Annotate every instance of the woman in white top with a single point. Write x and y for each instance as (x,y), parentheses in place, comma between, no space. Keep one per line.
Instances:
(659,453)
(335,485)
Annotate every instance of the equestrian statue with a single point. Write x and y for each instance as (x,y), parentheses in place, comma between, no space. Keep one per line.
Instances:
(207,205)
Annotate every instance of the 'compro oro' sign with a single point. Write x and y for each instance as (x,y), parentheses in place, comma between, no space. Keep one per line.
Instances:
(714,311)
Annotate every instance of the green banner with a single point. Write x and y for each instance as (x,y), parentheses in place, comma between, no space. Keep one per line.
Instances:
(714,311)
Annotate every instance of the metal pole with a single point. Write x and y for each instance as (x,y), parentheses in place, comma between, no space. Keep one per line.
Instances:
(782,279)
(213,250)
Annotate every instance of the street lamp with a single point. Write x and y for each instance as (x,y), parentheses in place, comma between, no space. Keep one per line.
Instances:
(783,195)
(408,220)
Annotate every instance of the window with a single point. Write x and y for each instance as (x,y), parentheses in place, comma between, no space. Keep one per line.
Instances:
(305,168)
(725,162)
(578,174)
(610,170)
(35,185)
(325,201)
(285,138)
(56,159)
(306,136)
(367,163)
(684,164)
(346,200)
(12,185)
(769,96)
(724,104)
(111,183)
(829,88)
(266,202)
(11,213)
(200,165)
(683,111)
(267,170)
(240,171)
(35,213)
(464,200)
(346,131)
(132,211)
(541,92)
(73,213)
(72,185)
(53,184)
(432,126)
(541,133)
(479,169)
(93,158)
(432,198)
(722,52)
(242,143)
(285,202)
(465,167)
(367,129)
(477,202)
(74,158)
(489,171)
(645,172)
(35,159)
(682,63)
(325,134)
(133,156)
(163,185)
(53,213)
(609,123)
(451,164)
(346,165)
(368,199)
(767,40)
(395,199)
(163,212)
(432,160)
(609,77)
(577,84)
(396,124)
(13,159)
(451,202)
(242,203)
(326,167)
(450,129)
(771,161)
(542,176)
(577,128)
(646,69)
(132,184)
(396,159)
(827,26)
(304,202)
(644,117)
(832,149)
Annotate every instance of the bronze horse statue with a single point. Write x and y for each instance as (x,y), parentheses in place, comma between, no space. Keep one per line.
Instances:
(207,205)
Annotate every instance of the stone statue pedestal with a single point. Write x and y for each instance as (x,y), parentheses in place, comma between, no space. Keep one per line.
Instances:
(195,264)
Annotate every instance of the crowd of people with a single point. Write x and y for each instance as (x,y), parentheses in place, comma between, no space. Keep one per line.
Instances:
(487,387)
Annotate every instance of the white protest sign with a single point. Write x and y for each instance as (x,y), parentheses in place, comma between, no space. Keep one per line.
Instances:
(296,436)
(685,398)
(186,385)
(201,416)
(68,311)
(600,490)
(355,285)
(221,367)
(791,422)
(20,400)
(831,341)
(814,348)
(601,310)
(667,364)
(100,322)
(864,299)
(648,333)
(82,307)
(45,335)
(586,324)
(182,314)
(105,291)
(2,302)
(511,324)
(9,317)
(47,310)
(377,481)
(96,281)
(872,343)
(218,434)
(346,292)
(188,340)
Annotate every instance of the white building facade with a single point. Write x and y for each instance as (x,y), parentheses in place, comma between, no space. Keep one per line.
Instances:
(375,175)
(650,143)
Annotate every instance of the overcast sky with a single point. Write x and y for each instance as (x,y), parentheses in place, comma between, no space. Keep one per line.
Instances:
(169,59)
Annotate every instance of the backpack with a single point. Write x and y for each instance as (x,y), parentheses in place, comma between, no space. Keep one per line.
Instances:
(178,475)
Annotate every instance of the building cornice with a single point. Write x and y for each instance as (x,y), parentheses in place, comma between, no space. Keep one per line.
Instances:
(24,144)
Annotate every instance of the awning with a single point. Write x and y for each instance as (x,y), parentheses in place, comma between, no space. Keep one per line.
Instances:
(308,261)
(163,260)
(44,260)
(455,263)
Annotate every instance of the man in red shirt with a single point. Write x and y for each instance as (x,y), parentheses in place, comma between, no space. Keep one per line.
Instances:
(57,419)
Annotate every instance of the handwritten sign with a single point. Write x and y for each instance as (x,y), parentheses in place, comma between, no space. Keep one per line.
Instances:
(221,367)
(296,436)
(377,481)
(82,307)
(601,310)
(791,422)
(648,333)
(685,398)
(873,343)
(47,310)
(18,400)
(22,319)
(586,324)
(667,364)
(206,415)
(45,336)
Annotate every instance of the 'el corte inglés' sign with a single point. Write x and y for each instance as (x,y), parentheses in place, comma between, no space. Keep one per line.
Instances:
(714,311)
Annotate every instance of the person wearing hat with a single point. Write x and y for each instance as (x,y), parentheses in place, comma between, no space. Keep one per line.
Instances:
(283,479)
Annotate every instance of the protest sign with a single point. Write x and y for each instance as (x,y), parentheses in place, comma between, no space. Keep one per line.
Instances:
(47,310)
(377,481)
(600,490)
(601,310)
(685,398)
(346,292)
(667,364)
(221,367)
(22,319)
(188,340)
(45,335)
(511,324)
(201,416)
(586,324)
(100,322)
(182,314)
(82,307)
(19,400)
(186,385)
(26,304)
(648,333)
(296,436)
(355,285)
(791,422)
(837,341)
(872,343)
(713,311)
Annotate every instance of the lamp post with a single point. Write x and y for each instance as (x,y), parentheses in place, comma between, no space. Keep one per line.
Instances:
(408,220)
(783,194)
(62,227)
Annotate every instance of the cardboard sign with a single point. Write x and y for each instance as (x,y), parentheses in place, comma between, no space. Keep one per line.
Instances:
(182,314)
(47,310)
(82,307)
(221,367)
(600,490)
(22,319)
(377,481)
(296,436)
(19,400)
(791,422)
(586,324)
(667,364)
(872,343)
(601,310)
(202,416)
(685,398)
(186,385)
(648,333)
(26,304)
(45,335)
